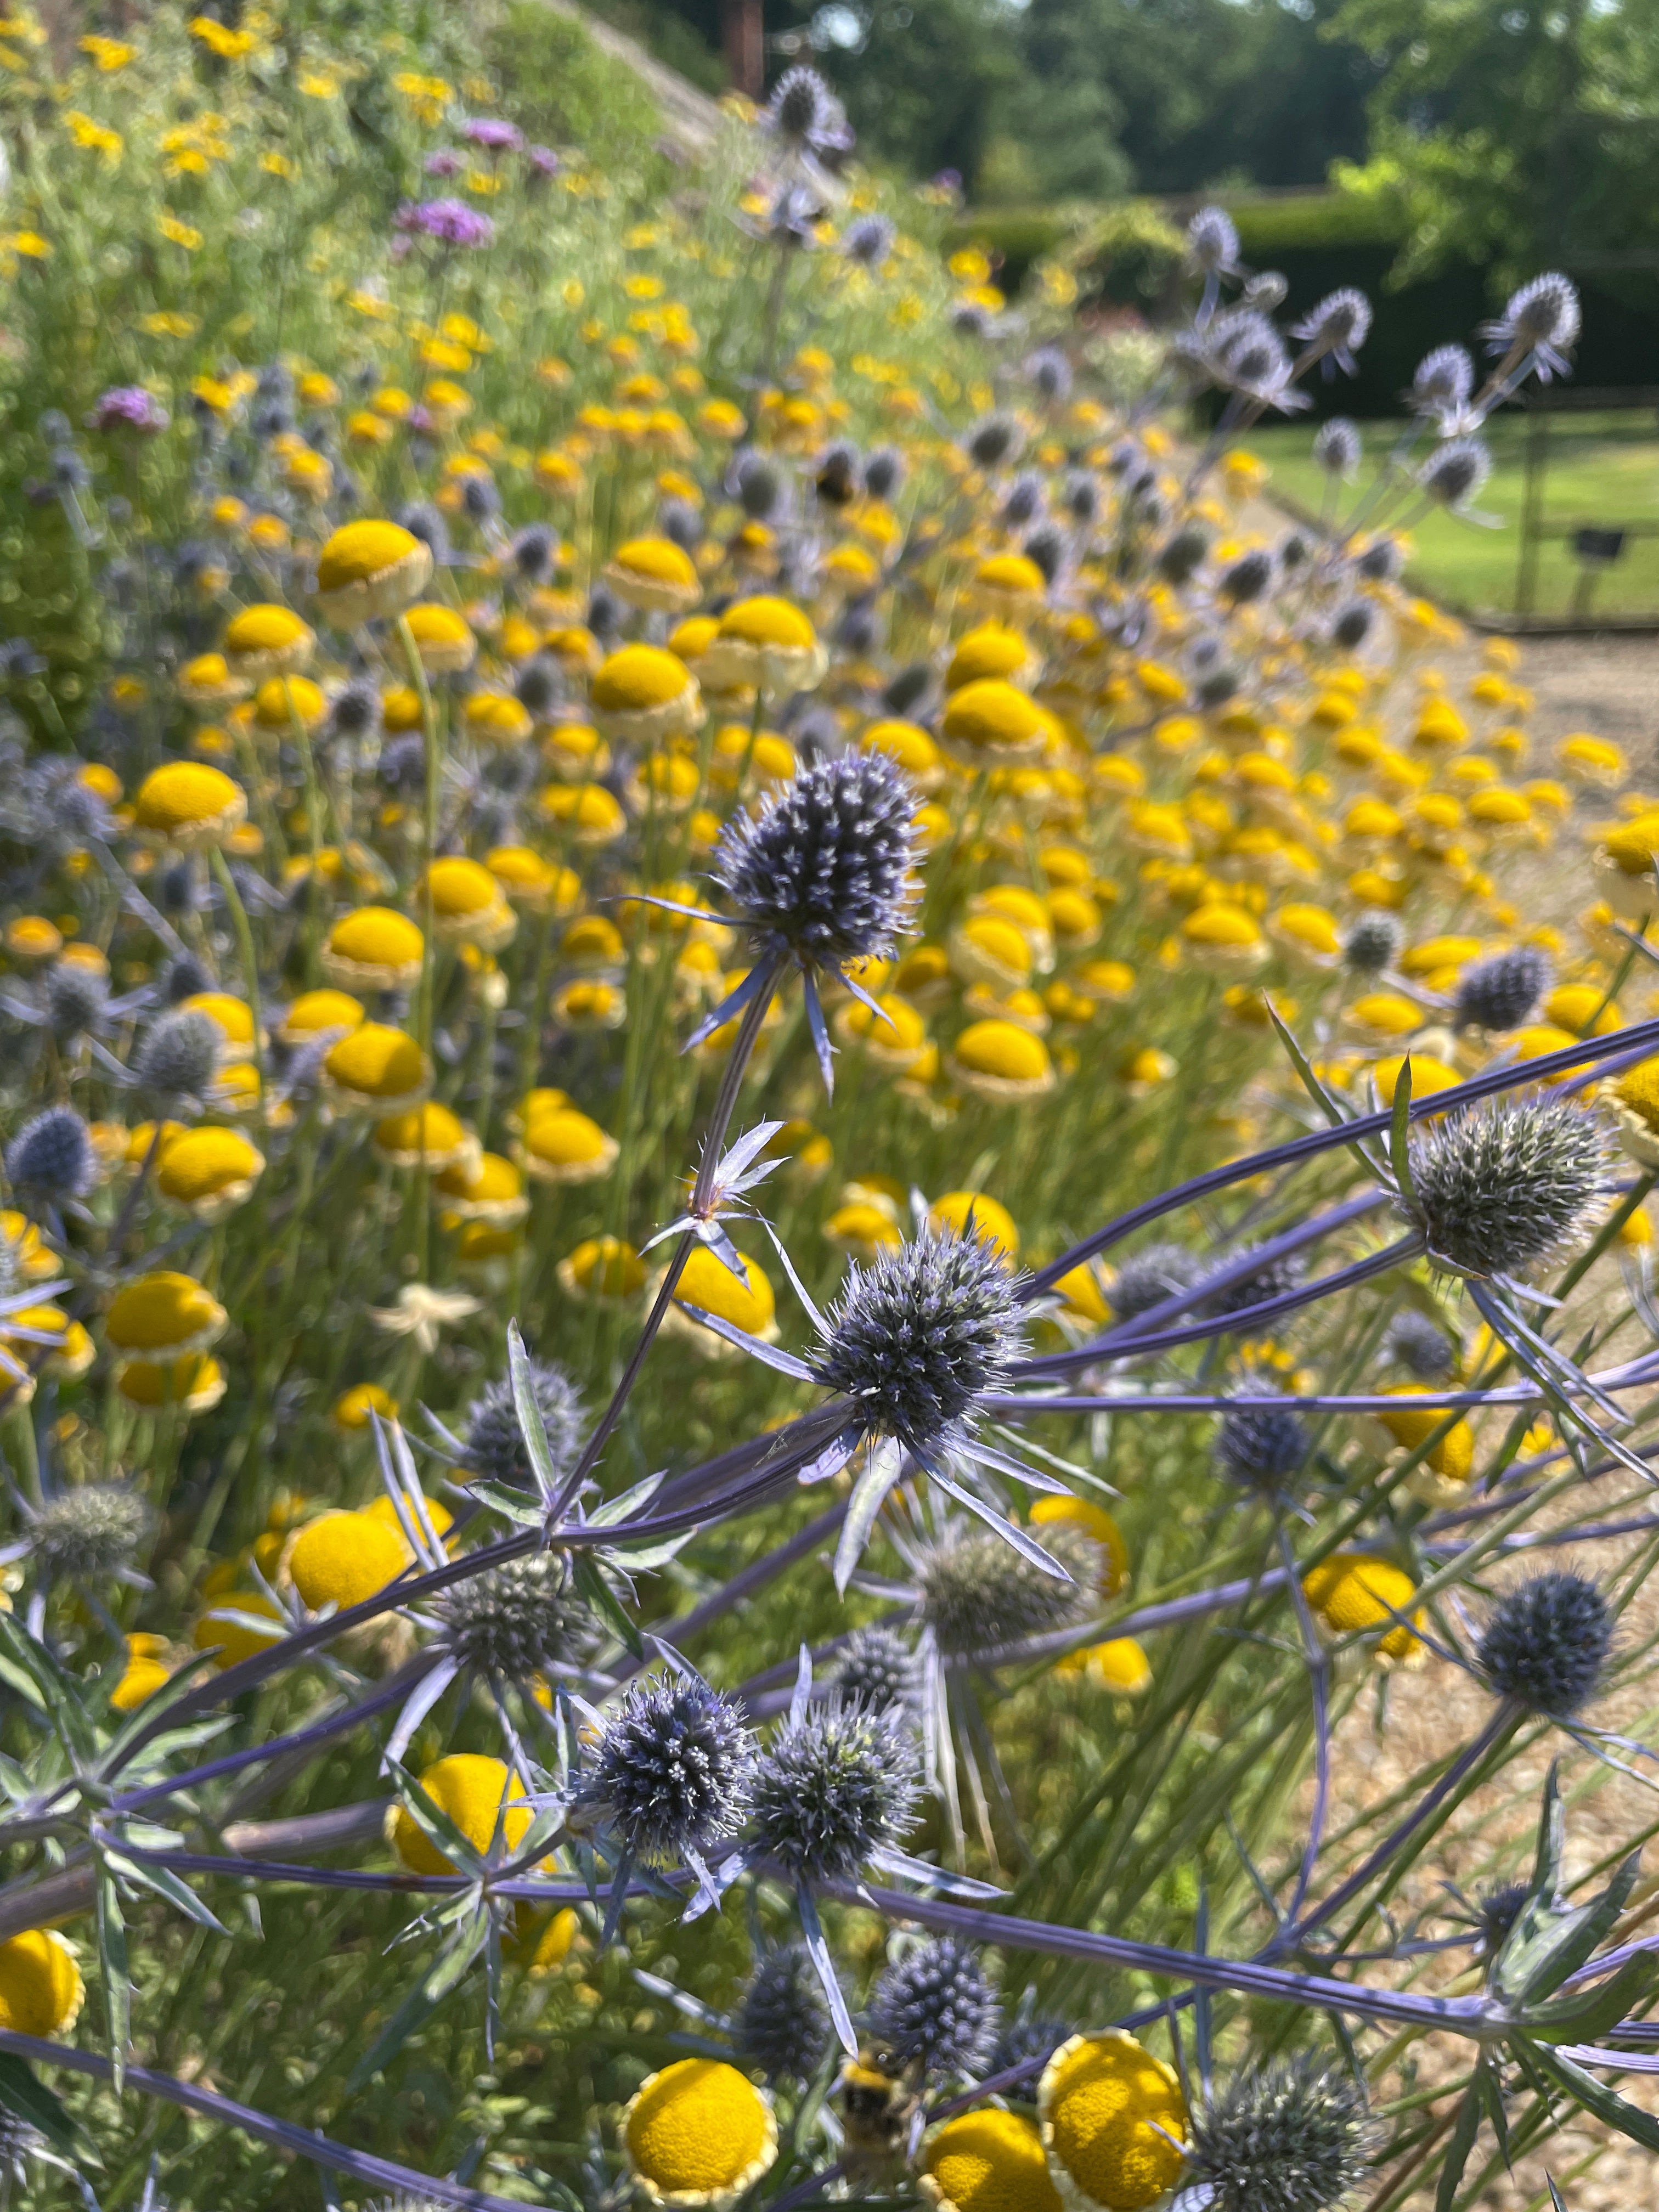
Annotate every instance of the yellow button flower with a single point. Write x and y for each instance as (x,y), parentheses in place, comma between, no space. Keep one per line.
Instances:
(443,642)
(377,1070)
(1429,1075)
(208,1172)
(1107,2110)
(373,948)
(473,1792)
(697,2134)
(605,1269)
(1009,584)
(1223,939)
(1594,762)
(194,1384)
(189,805)
(998,1061)
(208,681)
(894,1039)
(1119,1665)
(655,574)
(144,1674)
(992,651)
(369,569)
(281,700)
(565,1147)
(1309,934)
(644,692)
(232,1017)
(767,644)
(990,2161)
(342,1559)
(1354,1592)
(467,905)
(315,1015)
(353,1408)
(268,640)
(232,1638)
(989,724)
(482,1187)
(707,1284)
(531,882)
(991,1221)
(496,718)
(41,1991)
(163,1315)
(1382,1016)
(586,812)
(428,1136)
(1451,1461)
(1636,1101)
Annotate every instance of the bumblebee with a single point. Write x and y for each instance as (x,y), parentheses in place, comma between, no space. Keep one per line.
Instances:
(881,2116)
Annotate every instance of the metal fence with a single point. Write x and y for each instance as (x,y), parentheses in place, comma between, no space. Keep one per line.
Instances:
(1613,580)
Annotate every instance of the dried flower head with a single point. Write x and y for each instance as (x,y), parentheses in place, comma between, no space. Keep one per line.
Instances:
(89,1533)
(977,1593)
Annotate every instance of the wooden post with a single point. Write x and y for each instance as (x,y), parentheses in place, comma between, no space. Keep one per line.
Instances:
(743,39)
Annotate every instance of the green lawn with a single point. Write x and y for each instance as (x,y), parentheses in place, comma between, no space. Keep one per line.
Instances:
(1602,472)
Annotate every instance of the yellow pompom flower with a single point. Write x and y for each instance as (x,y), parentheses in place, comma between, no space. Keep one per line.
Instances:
(708,1284)
(476,1793)
(268,640)
(208,1172)
(1009,584)
(1107,2110)
(342,1559)
(998,1061)
(369,569)
(1447,1469)
(1594,762)
(1119,1665)
(764,644)
(1307,934)
(482,1187)
(1635,1096)
(315,1015)
(992,652)
(207,681)
(1355,1593)
(281,700)
(1223,939)
(189,805)
(428,1136)
(697,2135)
(354,1408)
(565,1147)
(373,948)
(467,905)
(41,1991)
(194,1384)
(232,1638)
(377,1070)
(443,643)
(144,1674)
(962,1212)
(990,724)
(643,693)
(1429,1075)
(990,2161)
(496,718)
(656,574)
(163,1315)
(1381,1016)
(604,1269)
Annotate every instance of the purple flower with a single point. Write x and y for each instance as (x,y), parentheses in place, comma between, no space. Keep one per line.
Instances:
(545,161)
(130,407)
(419,423)
(494,135)
(445,162)
(451,221)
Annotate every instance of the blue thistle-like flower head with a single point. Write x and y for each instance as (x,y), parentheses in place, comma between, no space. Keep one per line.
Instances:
(178,1054)
(1547,1643)
(1243,581)
(1337,447)
(876,1667)
(836,1785)
(89,1532)
(1542,318)
(977,1593)
(1454,472)
(673,1770)
(1497,1910)
(1050,373)
(77,999)
(1338,325)
(996,442)
(1272,1279)
(918,1335)
(1373,942)
(1502,992)
(935,2009)
(1352,624)
(783,2024)
(1157,1272)
(1497,1190)
(1261,1447)
(1031,2042)
(1212,242)
(1291,2137)
(869,242)
(1420,1347)
(823,872)
(53,1154)
(494,1442)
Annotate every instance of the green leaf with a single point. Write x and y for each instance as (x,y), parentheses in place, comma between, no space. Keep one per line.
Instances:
(511,1504)
(1328,1106)
(165,1883)
(31,2100)
(594,1587)
(531,1427)
(1587,2016)
(1556,2198)
(1544,1947)
(1462,2142)
(1591,2095)
(1400,1130)
(112,1964)
(446,1972)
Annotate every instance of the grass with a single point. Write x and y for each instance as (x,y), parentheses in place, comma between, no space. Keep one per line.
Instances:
(1602,470)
